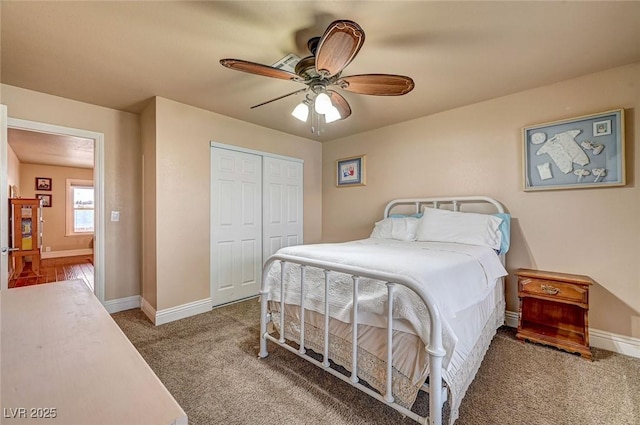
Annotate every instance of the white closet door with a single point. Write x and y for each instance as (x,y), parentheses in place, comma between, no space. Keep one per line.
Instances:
(283,189)
(236,225)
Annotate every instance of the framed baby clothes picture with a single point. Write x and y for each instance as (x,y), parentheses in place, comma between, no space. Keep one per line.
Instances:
(576,153)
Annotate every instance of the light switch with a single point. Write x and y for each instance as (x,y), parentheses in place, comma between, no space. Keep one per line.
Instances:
(115,215)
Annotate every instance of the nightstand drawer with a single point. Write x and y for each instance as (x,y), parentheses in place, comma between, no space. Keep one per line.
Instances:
(552,289)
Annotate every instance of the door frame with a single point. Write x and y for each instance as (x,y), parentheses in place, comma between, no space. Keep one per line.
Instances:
(98,184)
(4,205)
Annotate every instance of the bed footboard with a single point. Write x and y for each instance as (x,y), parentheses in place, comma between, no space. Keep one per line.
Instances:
(435,349)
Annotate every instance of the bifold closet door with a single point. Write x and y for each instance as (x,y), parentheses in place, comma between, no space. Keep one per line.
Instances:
(282,211)
(236,221)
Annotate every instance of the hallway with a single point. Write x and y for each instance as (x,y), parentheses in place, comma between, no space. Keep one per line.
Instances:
(56,270)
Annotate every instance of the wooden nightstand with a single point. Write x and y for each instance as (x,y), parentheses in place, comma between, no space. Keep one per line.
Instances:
(554,309)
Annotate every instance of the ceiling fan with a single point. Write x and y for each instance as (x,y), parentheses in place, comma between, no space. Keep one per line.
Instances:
(322,72)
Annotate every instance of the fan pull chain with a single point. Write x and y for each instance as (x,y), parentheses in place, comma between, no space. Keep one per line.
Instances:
(315,122)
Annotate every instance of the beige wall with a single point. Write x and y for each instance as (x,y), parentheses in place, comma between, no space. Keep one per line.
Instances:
(13,170)
(54,217)
(477,150)
(122,175)
(182,191)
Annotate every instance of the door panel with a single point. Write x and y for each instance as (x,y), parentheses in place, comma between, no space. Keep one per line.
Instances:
(274,243)
(236,225)
(225,274)
(249,259)
(283,186)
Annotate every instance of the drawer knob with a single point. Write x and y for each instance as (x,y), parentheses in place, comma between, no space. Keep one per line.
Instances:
(551,290)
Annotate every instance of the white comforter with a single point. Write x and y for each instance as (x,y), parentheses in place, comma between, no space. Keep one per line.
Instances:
(455,275)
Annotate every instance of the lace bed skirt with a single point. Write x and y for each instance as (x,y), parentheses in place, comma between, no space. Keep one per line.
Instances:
(408,374)
(371,368)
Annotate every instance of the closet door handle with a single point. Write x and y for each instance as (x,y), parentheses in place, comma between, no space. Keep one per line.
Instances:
(6,249)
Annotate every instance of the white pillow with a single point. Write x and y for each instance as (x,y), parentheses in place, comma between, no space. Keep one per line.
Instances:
(400,228)
(469,228)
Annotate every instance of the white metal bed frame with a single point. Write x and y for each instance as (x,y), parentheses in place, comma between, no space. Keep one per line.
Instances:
(436,390)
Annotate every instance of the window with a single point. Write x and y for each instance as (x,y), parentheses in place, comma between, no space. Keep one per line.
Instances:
(80,207)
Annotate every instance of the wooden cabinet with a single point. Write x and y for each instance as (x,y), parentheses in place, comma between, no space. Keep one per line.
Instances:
(25,226)
(554,309)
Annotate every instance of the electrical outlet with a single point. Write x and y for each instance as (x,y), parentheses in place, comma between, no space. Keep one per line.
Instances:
(115,215)
(47,249)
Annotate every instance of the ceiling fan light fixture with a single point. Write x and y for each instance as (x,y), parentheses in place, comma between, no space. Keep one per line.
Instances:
(301,112)
(332,115)
(321,73)
(323,103)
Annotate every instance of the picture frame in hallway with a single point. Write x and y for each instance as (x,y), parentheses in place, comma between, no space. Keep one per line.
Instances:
(43,183)
(45,198)
(576,153)
(351,171)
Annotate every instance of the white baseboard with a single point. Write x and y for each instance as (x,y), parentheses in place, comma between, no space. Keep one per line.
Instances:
(160,317)
(185,310)
(621,344)
(511,319)
(148,310)
(613,342)
(122,304)
(66,253)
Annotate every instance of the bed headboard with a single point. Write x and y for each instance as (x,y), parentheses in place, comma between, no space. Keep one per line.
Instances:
(451,202)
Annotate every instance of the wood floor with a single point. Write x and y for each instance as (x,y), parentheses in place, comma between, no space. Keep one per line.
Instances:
(56,270)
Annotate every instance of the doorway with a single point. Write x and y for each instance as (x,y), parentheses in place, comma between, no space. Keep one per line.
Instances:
(74,149)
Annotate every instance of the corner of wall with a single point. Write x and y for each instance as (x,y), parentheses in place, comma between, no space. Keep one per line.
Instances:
(148,310)
(160,317)
(148,126)
(122,304)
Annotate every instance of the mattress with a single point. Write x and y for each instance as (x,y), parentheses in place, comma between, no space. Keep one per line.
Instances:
(456,276)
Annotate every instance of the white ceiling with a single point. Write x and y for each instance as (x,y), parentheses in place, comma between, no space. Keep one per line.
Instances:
(33,147)
(121,54)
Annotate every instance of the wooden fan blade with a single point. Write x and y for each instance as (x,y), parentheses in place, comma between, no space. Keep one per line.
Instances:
(377,84)
(338,46)
(259,69)
(340,103)
(281,97)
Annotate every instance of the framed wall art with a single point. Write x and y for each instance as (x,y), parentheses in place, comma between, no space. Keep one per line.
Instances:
(350,171)
(43,183)
(582,152)
(45,198)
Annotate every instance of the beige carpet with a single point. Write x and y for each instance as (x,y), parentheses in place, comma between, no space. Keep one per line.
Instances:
(209,363)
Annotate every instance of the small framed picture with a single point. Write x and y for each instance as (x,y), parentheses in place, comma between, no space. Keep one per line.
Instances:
(350,171)
(45,198)
(602,128)
(43,183)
